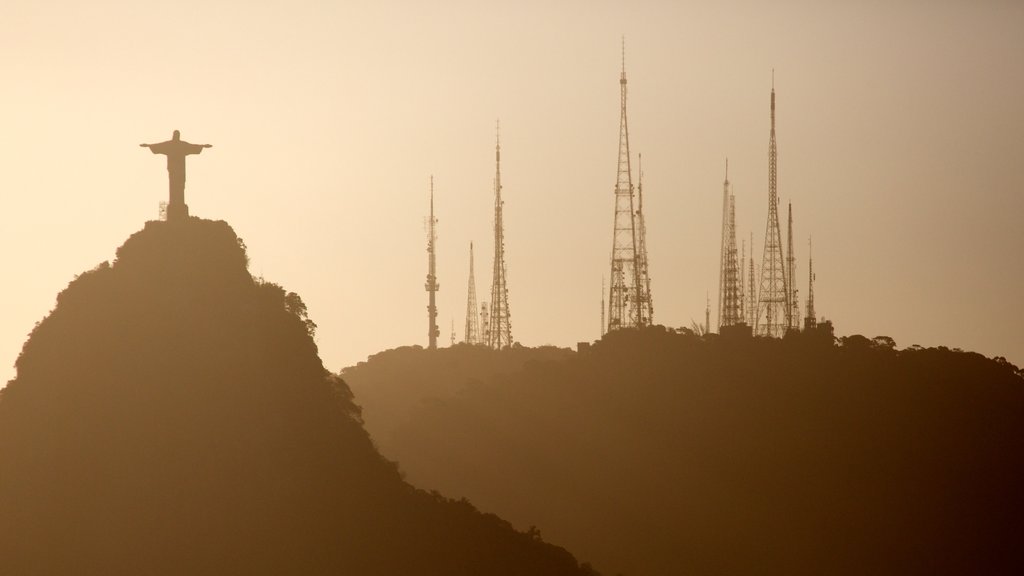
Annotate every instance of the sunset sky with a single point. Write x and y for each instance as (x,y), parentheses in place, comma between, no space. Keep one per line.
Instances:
(900,136)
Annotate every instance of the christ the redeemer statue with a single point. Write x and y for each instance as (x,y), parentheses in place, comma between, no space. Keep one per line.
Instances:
(176,149)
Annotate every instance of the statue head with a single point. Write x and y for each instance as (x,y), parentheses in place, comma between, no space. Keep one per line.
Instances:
(177,136)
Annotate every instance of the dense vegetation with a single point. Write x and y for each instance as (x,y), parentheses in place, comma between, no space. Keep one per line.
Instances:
(171,416)
(658,452)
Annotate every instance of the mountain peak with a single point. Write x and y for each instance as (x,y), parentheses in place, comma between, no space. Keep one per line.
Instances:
(171,415)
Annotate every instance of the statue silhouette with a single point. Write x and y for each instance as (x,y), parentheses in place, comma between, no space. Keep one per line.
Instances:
(176,149)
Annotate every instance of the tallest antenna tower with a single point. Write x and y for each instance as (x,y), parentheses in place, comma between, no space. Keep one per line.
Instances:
(627,302)
(773,307)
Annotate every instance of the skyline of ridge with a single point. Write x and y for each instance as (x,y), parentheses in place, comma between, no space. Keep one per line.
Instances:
(885,148)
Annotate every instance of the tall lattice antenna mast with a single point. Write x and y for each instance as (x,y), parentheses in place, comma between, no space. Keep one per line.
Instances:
(499,333)
(794,305)
(645,303)
(625,306)
(774,306)
(811,321)
(751,289)
(742,284)
(730,303)
(472,317)
(432,286)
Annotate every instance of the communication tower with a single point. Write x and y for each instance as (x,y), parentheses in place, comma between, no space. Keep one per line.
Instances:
(707,314)
(485,322)
(742,289)
(730,302)
(644,300)
(628,307)
(811,321)
(774,298)
(499,333)
(794,305)
(751,289)
(432,286)
(472,319)
(603,325)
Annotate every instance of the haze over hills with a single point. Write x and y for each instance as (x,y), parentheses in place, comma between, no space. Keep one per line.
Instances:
(172,416)
(657,452)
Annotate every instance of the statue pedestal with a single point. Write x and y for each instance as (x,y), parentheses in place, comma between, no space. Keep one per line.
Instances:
(177,211)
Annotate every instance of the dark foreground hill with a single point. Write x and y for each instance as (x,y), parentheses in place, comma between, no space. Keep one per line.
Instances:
(662,453)
(171,416)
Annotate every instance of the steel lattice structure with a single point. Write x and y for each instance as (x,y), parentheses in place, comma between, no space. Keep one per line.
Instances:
(432,286)
(742,289)
(499,329)
(751,288)
(645,303)
(794,304)
(628,301)
(811,321)
(773,305)
(730,299)
(472,317)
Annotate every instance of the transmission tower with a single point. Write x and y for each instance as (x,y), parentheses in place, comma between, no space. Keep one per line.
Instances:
(730,303)
(794,306)
(742,284)
(432,286)
(472,319)
(485,323)
(707,314)
(645,303)
(751,289)
(626,308)
(499,333)
(774,306)
(811,321)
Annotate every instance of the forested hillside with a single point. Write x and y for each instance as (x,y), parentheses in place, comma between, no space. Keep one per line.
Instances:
(657,452)
(172,416)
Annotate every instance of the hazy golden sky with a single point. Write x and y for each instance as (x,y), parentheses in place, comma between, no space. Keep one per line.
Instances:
(900,134)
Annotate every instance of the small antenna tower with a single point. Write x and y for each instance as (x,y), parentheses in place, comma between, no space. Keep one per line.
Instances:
(485,323)
(742,284)
(730,303)
(432,286)
(707,314)
(163,210)
(453,331)
(751,288)
(645,303)
(499,333)
(603,325)
(794,305)
(774,302)
(472,318)
(811,321)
